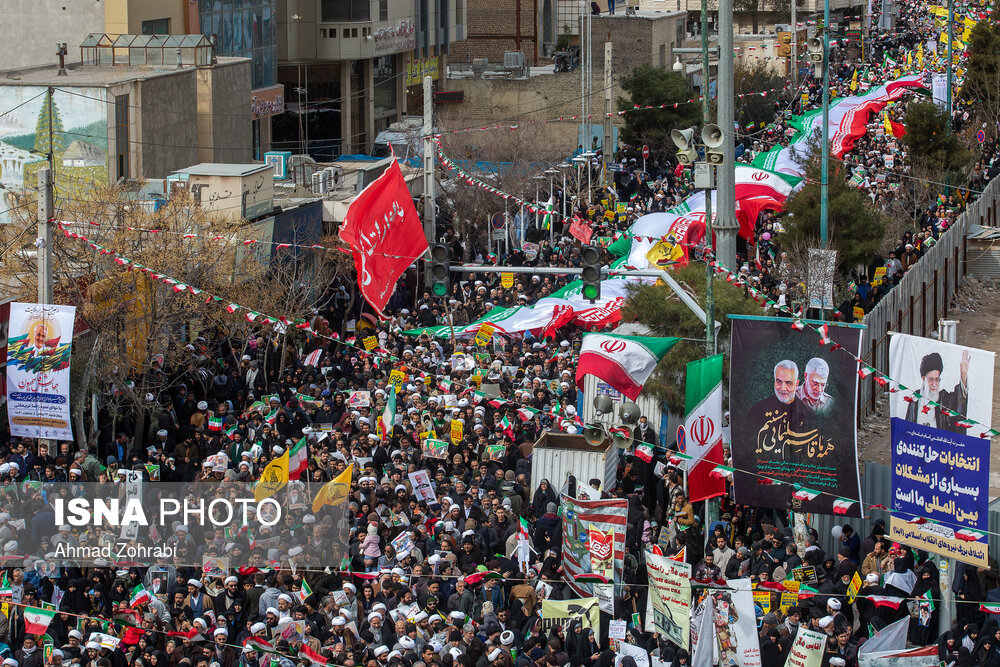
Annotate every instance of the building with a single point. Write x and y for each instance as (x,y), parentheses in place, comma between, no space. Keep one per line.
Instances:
(244,29)
(346,64)
(130,110)
(497,27)
(34,27)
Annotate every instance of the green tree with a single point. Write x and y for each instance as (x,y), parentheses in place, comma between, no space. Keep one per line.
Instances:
(930,140)
(659,309)
(49,109)
(982,73)
(855,228)
(647,86)
(752,109)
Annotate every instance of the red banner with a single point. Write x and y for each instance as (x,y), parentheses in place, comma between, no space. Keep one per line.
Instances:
(580,230)
(384,232)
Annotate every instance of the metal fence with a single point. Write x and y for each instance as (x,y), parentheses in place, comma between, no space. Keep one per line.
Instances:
(922,296)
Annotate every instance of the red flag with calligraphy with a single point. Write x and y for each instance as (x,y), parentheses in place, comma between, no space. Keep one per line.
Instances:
(385,234)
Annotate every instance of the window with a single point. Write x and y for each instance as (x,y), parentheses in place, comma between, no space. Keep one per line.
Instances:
(663,55)
(322,33)
(333,33)
(332,11)
(121,137)
(383,10)
(156,27)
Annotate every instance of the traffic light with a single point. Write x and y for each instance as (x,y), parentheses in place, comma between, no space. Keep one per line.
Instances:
(590,260)
(438,268)
(684,139)
(711,136)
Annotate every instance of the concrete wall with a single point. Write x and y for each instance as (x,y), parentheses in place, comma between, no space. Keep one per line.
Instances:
(125,17)
(32,27)
(637,40)
(168,139)
(538,98)
(224,127)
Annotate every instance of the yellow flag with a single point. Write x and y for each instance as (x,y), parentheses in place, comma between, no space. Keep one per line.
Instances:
(854,80)
(335,491)
(888,125)
(920,55)
(273,479)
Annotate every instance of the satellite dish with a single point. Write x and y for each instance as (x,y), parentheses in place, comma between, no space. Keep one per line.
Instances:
(594,434)
(630,413)
(603,404)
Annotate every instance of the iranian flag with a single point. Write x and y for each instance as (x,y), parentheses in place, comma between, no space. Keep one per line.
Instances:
(306,653)
(298,459)
(624,362)
(36,621)
(644,452)
(304,592)
(967,535)
(389,414)
(523,528)
(885,601)
(990,607)
(842,505)
(526,414)
(215,423)
(802,493)
(139,596)
(703,427)
(255,643)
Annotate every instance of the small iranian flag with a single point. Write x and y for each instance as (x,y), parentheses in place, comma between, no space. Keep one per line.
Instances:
(215,423)
(802,493)
(36,621)
(927,599)
(304,592)
(842,505)
(678,458)
(723,471)
(298,461)
(624,362)
(990,607)
(526,414)
(139,596)
(272,416)
(306,653)
(255,643)
(807,592)
(644,452)
(885,601)
(231,431)
(523,527)
(967,535)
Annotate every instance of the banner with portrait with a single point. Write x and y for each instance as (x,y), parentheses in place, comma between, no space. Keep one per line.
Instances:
(39,346)
(736,636)
(792,400)
(944,477)
(958,378)
(669,598)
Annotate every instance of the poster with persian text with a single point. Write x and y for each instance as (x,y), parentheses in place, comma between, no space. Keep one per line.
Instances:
(39,346)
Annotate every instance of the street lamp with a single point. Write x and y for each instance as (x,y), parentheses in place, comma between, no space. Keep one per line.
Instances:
(678,65)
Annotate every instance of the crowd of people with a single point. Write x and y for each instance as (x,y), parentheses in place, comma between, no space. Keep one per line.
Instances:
(414,578)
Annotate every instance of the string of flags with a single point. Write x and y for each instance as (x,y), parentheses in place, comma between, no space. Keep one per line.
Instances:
(525,413)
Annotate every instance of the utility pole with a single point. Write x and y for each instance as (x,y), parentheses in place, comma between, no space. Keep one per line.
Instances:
(951,39)
(706,112)
(429,228)
(795,47)
(725,226)
(609,149)
(44,242)
(824,188)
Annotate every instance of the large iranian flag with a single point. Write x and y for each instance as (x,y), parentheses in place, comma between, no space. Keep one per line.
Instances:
(36,620)
(624,362)
(703,427)
(298,459)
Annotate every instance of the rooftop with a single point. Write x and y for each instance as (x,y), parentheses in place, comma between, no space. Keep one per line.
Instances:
(220,169)
(78,74)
